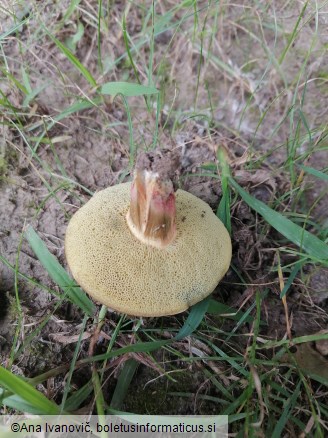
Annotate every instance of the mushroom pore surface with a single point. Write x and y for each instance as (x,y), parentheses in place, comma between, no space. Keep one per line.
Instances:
(116,269)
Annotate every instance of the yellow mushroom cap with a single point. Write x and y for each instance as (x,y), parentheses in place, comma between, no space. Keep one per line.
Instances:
(118,270)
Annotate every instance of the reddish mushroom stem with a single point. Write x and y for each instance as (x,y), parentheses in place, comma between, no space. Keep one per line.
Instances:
(152,213)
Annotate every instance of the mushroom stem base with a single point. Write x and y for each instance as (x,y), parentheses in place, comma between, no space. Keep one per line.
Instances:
(154,242)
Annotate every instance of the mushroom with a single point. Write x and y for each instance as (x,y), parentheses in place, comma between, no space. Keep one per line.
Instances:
(142,249)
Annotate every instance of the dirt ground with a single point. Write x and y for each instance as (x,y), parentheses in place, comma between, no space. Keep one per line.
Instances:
(90,148)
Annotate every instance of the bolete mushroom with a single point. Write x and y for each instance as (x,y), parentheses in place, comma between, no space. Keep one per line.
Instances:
(142,249)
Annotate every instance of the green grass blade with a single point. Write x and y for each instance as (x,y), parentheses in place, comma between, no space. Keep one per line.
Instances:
(298,340)
(13,29)
(131,140)
(127,89)
(233,407)
(71,8)
(74,108)
(99,21)
(290,280)
(127,47)
(98,395)
(239,368)
(142,347)
(75,400)
(315,172)
(72,41)
(15,82)
(292,37)
(217,308)
(158,113)
(315,247)
(223,211)
(24,390)
(58,273)
(288,407)
(32,95)
(195,317)
(26,80)
(72,366)
(151,45)
(17,403)
(123,383)
(320,379)
(73,59)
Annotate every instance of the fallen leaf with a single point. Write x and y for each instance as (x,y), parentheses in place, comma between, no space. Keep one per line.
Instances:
(311,357)
(68,339)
